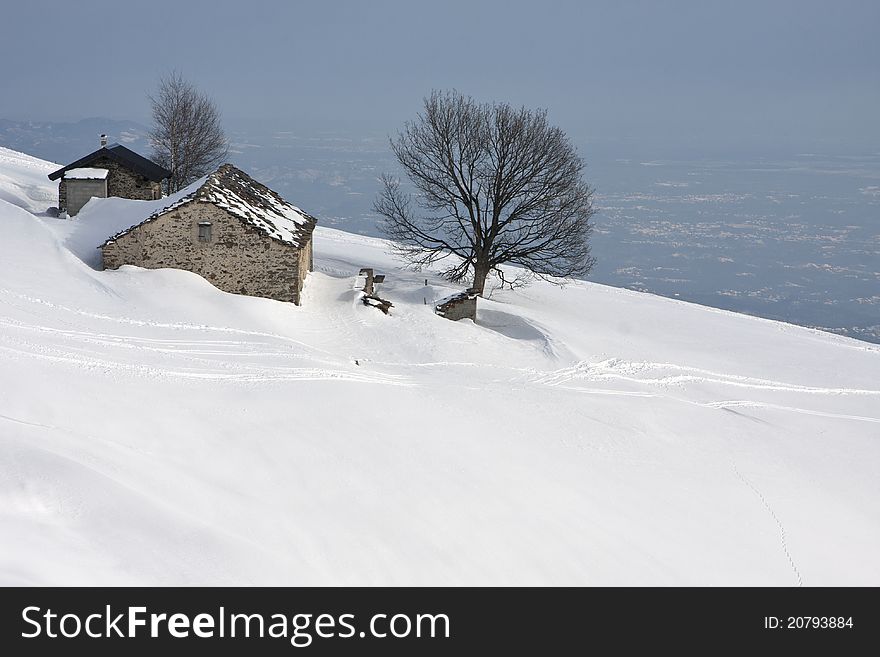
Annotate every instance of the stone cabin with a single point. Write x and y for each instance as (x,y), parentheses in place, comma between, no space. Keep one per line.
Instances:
(112,170)
(228,228)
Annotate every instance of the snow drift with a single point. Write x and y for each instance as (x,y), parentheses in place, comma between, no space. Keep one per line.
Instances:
(23,181)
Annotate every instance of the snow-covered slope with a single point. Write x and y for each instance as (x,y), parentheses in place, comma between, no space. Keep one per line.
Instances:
(23,181)
(158,431)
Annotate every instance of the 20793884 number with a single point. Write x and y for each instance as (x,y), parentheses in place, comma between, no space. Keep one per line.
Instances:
(819,622)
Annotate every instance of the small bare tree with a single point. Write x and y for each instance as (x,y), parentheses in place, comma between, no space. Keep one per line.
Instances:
(495,185)
(187,136)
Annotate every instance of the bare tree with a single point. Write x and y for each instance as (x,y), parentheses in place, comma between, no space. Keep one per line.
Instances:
(187,136)
(494,185)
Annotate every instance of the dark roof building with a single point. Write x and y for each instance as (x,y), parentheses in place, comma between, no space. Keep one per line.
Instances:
(122,156)
(129,175)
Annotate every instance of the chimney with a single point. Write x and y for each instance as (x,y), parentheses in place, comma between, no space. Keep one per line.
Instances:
(103,140)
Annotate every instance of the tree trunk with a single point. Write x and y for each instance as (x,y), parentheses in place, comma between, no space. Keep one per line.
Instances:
(481,271)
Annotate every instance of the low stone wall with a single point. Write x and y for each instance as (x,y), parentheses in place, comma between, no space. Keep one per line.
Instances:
(237,259)
(458,306)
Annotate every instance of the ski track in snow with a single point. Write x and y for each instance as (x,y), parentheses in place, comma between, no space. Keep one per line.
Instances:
(627,371)
(202,368)
(163,325)
(782,536)
(618,370)
(15,420)
(807,411)
(194,350)
(81,348)
(248,374)
(208,358)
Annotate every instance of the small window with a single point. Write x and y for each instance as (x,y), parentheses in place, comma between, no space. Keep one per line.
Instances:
(204,231)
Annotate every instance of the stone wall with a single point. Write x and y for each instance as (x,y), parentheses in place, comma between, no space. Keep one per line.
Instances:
(458,306)
(80,192)
(305,264)
(238,258)
(121,182)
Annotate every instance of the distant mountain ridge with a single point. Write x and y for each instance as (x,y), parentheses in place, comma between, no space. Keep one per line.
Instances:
(63,142)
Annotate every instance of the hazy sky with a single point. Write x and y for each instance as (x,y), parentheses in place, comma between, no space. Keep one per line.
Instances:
(736,71)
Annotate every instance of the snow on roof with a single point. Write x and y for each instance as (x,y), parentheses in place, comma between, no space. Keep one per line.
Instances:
(236,192)
(86,174)
(457,296)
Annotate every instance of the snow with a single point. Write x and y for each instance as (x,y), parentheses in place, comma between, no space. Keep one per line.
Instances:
(157,431)
(86,173)
(24,181)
